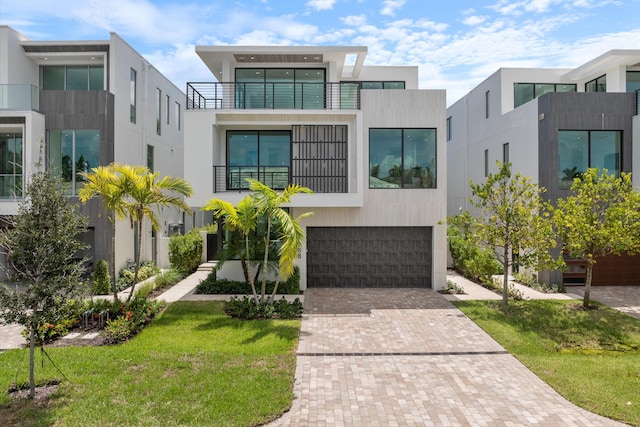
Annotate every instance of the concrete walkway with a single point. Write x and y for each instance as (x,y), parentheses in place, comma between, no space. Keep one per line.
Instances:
(407,357)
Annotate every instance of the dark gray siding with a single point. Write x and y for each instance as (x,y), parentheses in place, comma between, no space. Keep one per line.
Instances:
(86,110)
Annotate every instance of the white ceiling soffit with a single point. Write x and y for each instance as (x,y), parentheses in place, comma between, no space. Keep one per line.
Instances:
(600,65)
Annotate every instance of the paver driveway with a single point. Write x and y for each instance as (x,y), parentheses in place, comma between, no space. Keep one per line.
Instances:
(407,357)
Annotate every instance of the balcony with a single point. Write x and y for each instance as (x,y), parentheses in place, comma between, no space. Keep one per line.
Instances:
(299,96)
(19,97)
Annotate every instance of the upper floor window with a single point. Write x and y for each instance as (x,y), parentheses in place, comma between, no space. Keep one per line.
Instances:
(379,84)
(525,92)
(11,173)
(402,158)
(487,98)
(158,111)
(505,152)
(73,77)
(71,152)
(132,95)
(596,85)
(150,157)
(633,81)
(448,128)
(177,111)
(486,163)
(280,88)
(579,150)
(168,109)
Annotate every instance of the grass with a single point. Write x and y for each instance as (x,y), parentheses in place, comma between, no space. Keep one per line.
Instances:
(591,357)
(191,366)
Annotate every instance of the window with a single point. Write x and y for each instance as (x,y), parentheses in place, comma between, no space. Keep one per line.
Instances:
(579,150)
(402,158)
(380,85)
(261,155)
(11,164)
(158,111)
(525,92)
(132,95)
(596,85)
(280,88)
(448,128)
(505,152)
(168,108)
(633,81)
(177,110)
(72,152)
(486,163)
(77,77)
(150,157)
(486,104)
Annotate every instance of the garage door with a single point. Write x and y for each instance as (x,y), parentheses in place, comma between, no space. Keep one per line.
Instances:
(369,257)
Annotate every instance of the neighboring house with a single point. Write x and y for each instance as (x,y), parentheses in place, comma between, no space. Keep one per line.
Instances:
(551,124)
(88,103)
(365,139)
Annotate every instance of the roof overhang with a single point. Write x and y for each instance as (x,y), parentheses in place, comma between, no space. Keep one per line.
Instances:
(600,65)
(66,53)
(215,56)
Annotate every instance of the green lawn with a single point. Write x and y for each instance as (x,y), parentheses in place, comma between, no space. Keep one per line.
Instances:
(590,357)
(191,366)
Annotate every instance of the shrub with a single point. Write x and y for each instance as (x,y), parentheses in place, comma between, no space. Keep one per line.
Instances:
(101,284)
(67,317)
(185,251)
(118,329)
(452,288)
(530,280)
(125,278)
(168,278)
(128,319)
(469,258)
(212,285)
(247,309)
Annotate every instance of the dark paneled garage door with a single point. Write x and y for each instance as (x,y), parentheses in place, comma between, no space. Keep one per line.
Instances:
(369,257)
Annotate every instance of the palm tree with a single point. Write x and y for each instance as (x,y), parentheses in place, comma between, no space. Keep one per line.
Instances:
(243,218)
(289,231)
(143,192)
(104,183)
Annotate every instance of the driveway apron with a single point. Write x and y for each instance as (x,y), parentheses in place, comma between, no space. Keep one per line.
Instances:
(408,357)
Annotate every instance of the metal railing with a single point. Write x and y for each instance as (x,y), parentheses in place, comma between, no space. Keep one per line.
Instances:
(19,97)
(234,178)
(303,96)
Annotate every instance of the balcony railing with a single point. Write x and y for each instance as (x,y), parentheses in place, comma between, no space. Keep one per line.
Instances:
(303,96)
(234,178)
(19,97)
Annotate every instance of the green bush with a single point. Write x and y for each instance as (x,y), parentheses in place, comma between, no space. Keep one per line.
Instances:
(125,278)
(128,318)
(247,309)
(185,252)
(469,258)
(101,284)
(211,285)
(168,278)
(67,317)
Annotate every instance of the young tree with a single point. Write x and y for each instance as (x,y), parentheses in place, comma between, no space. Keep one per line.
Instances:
(143,192)
(289,231)
(601,217)
(103,182)
(514,216)
(41,246)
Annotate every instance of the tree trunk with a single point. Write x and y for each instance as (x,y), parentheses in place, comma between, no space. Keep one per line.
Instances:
(275,289)
(587,284)
(32,349)
(136,267)
(112,259)
(250,275)
(505,276)
(267,241)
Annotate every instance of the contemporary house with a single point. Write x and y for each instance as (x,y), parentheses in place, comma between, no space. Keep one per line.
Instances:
(365,139)
(74,105)
(551,124)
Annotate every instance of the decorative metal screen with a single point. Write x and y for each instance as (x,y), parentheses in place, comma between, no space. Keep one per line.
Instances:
(319,157)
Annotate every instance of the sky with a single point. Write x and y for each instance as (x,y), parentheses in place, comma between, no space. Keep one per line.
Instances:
(456,44)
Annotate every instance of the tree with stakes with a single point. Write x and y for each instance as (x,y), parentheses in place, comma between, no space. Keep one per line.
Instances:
(41,246)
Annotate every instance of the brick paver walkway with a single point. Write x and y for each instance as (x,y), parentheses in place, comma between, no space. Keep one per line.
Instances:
(407,357)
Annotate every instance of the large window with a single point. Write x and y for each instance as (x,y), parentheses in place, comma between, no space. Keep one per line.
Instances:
(10,164)
(72,152)
(280,88)
(596,85)
(76,77)
(525,92)
(402,158)
(579,150)
(261,155)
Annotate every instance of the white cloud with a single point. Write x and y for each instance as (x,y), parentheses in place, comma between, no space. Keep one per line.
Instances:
(390,7)
(354,20)
(321,4)
(473,20)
